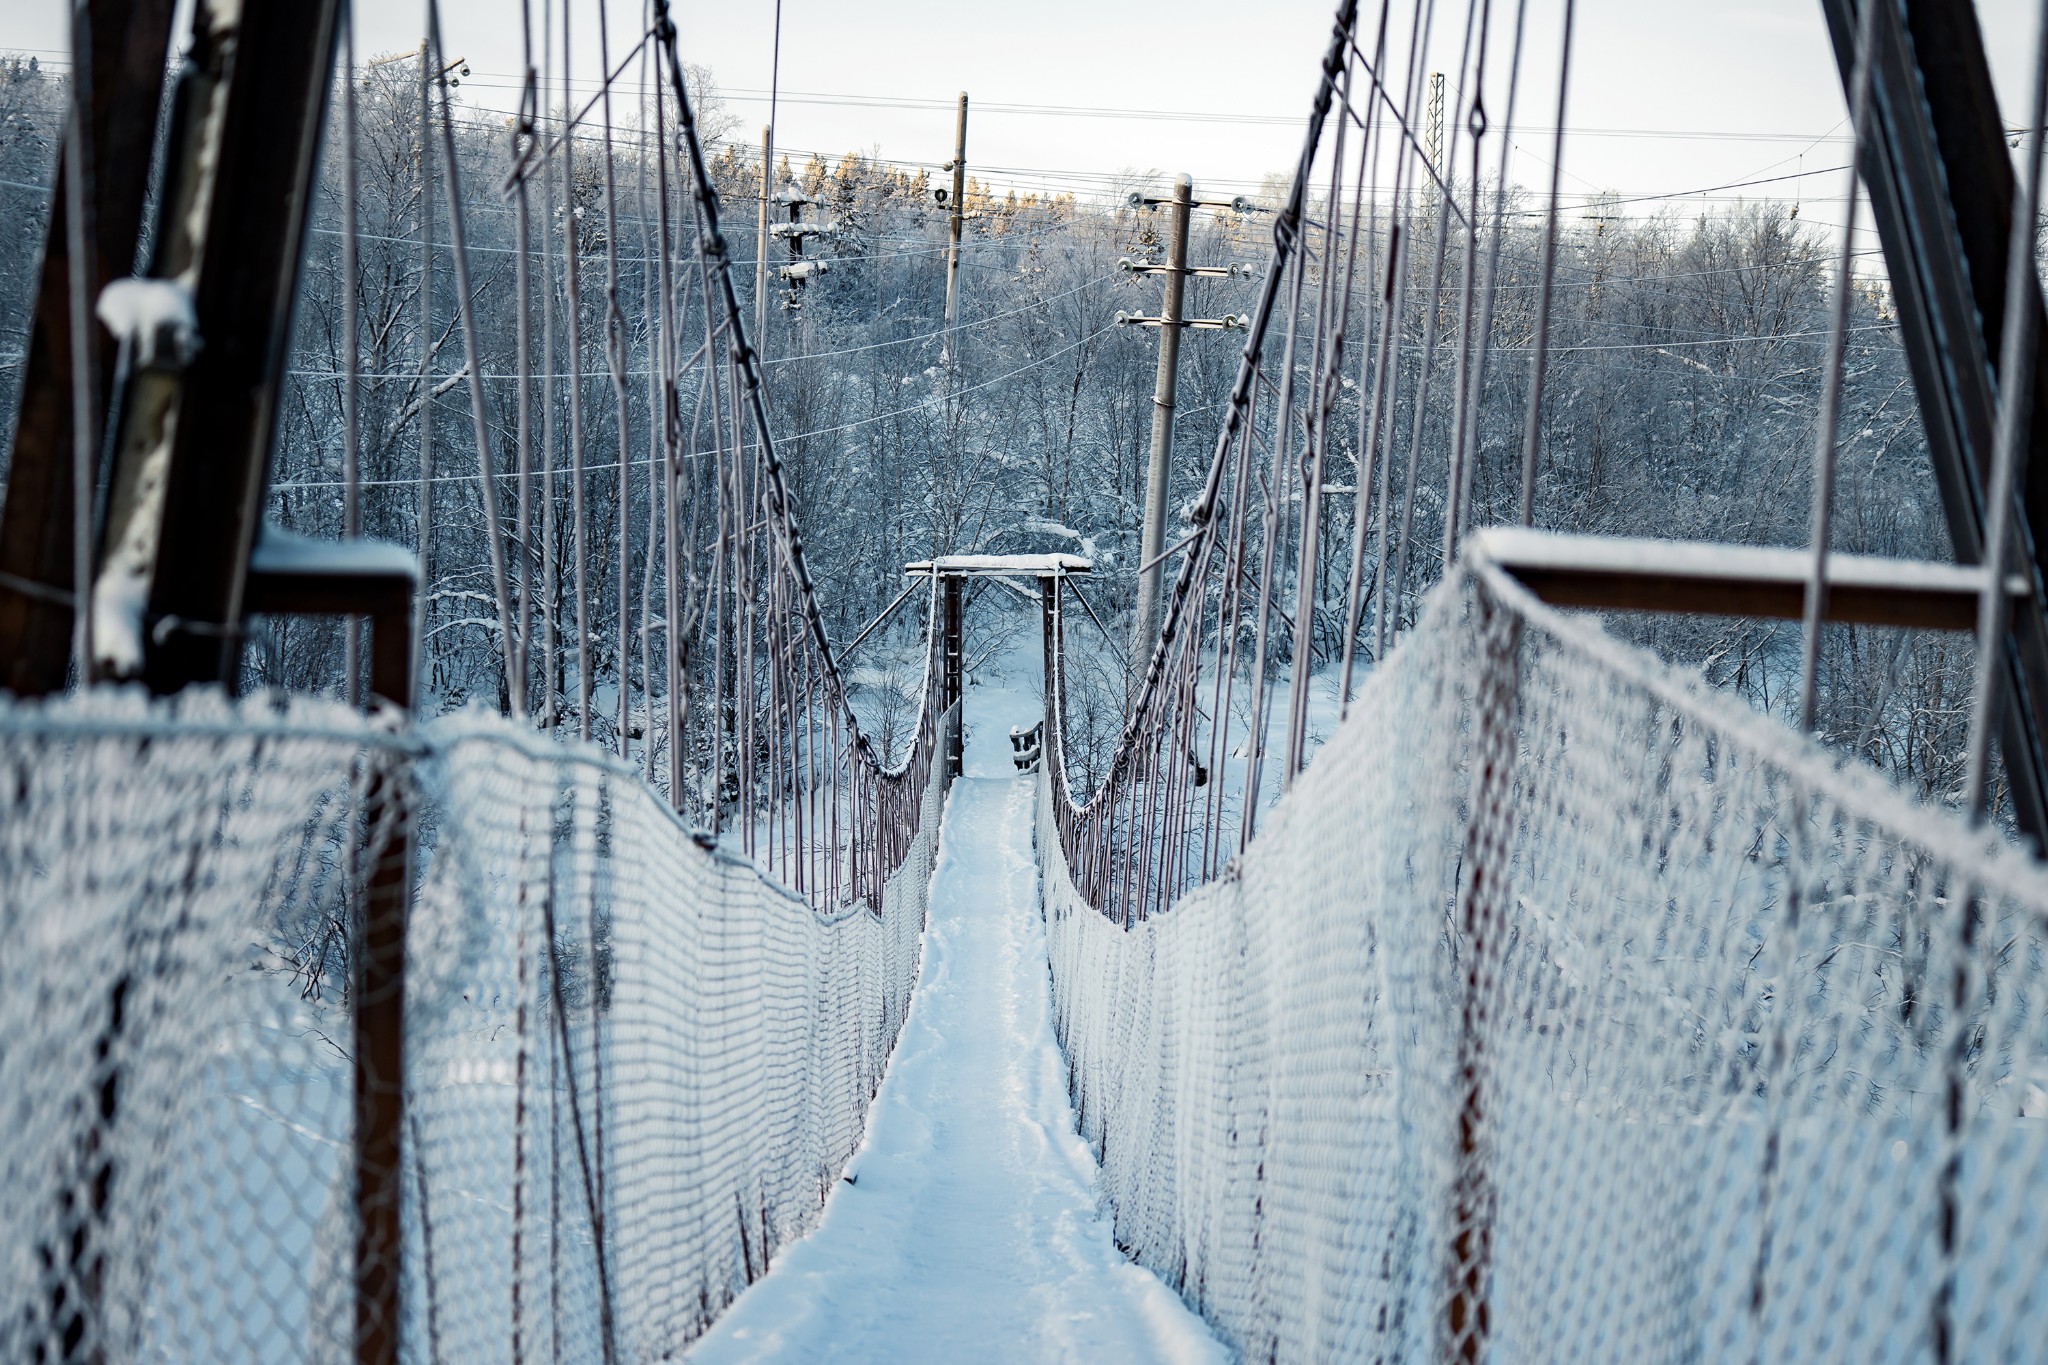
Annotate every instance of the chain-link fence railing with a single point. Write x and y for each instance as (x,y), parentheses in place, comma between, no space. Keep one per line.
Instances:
(174,1039)
(633,1064)
(1567,1010)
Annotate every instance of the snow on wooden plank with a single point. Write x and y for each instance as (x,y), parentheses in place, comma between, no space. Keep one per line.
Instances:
(1020,566)
(1630,574)
(279,551)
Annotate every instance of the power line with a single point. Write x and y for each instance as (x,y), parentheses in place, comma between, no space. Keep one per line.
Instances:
(850,100)
(497,377)
(921,405)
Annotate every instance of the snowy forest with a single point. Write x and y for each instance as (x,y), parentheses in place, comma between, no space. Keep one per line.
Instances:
(1685,365)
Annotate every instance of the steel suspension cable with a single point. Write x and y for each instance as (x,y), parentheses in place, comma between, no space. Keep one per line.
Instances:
(424,517)
(1532,429)
(615,364)
(1476,126)
(494,530)
(1387,614)
(524,138)
(572,308)
(1385,391)
(550,580)
(1427,372)
(1827,429)
(351,347)
(1473,396)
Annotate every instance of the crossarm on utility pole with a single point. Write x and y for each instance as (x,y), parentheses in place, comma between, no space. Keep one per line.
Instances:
(959,207)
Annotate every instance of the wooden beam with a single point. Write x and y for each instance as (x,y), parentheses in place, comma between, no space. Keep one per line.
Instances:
(258,188)
(1706,579)
(130,47)
(999,566)
(292,575)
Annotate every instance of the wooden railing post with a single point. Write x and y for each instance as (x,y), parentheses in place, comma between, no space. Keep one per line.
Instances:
(378,995)
(1048,624)
(955,689)
(1481,909)
(288,575)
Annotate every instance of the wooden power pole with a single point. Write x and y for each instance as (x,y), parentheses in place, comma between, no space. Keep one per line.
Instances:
(958,204)
(761,244)
(1157,470)
(1171,322)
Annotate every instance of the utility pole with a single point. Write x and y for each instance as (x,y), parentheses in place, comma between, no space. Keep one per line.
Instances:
(1600,212)
(801,270)
(1151,542)
(1171,322)
(958,166)
(761,244)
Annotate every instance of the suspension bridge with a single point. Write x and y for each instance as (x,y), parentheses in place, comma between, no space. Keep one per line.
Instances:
(1463,983)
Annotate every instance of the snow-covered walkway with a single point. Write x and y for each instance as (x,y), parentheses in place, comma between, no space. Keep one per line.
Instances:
(971,1232)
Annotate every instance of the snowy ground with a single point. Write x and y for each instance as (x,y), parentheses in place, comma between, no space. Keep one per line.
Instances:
(971,1231)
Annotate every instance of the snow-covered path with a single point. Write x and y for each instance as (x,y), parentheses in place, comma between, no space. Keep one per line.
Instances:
(971,1232)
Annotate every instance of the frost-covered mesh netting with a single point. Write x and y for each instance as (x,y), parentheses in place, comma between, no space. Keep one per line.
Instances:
(633,1065)
(637,1066)
(174,1099)
(1567,1010)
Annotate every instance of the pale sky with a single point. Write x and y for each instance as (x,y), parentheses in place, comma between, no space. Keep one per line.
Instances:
(1668,96)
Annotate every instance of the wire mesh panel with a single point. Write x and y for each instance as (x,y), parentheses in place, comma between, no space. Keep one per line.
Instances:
(638,1065)
(175,1090)
(633,1064)
(1569,1011)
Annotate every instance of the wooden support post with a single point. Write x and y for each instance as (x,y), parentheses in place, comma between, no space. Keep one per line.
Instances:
(955,691)
(377,991)
(1702,578)
(289,575)
(1942,188)
(264,178)
(1482,901)
(950,352)
(1048,622)
(194,452)
(130,40)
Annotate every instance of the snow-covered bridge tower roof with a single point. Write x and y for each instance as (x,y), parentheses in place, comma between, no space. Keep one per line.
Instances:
(1000,566)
